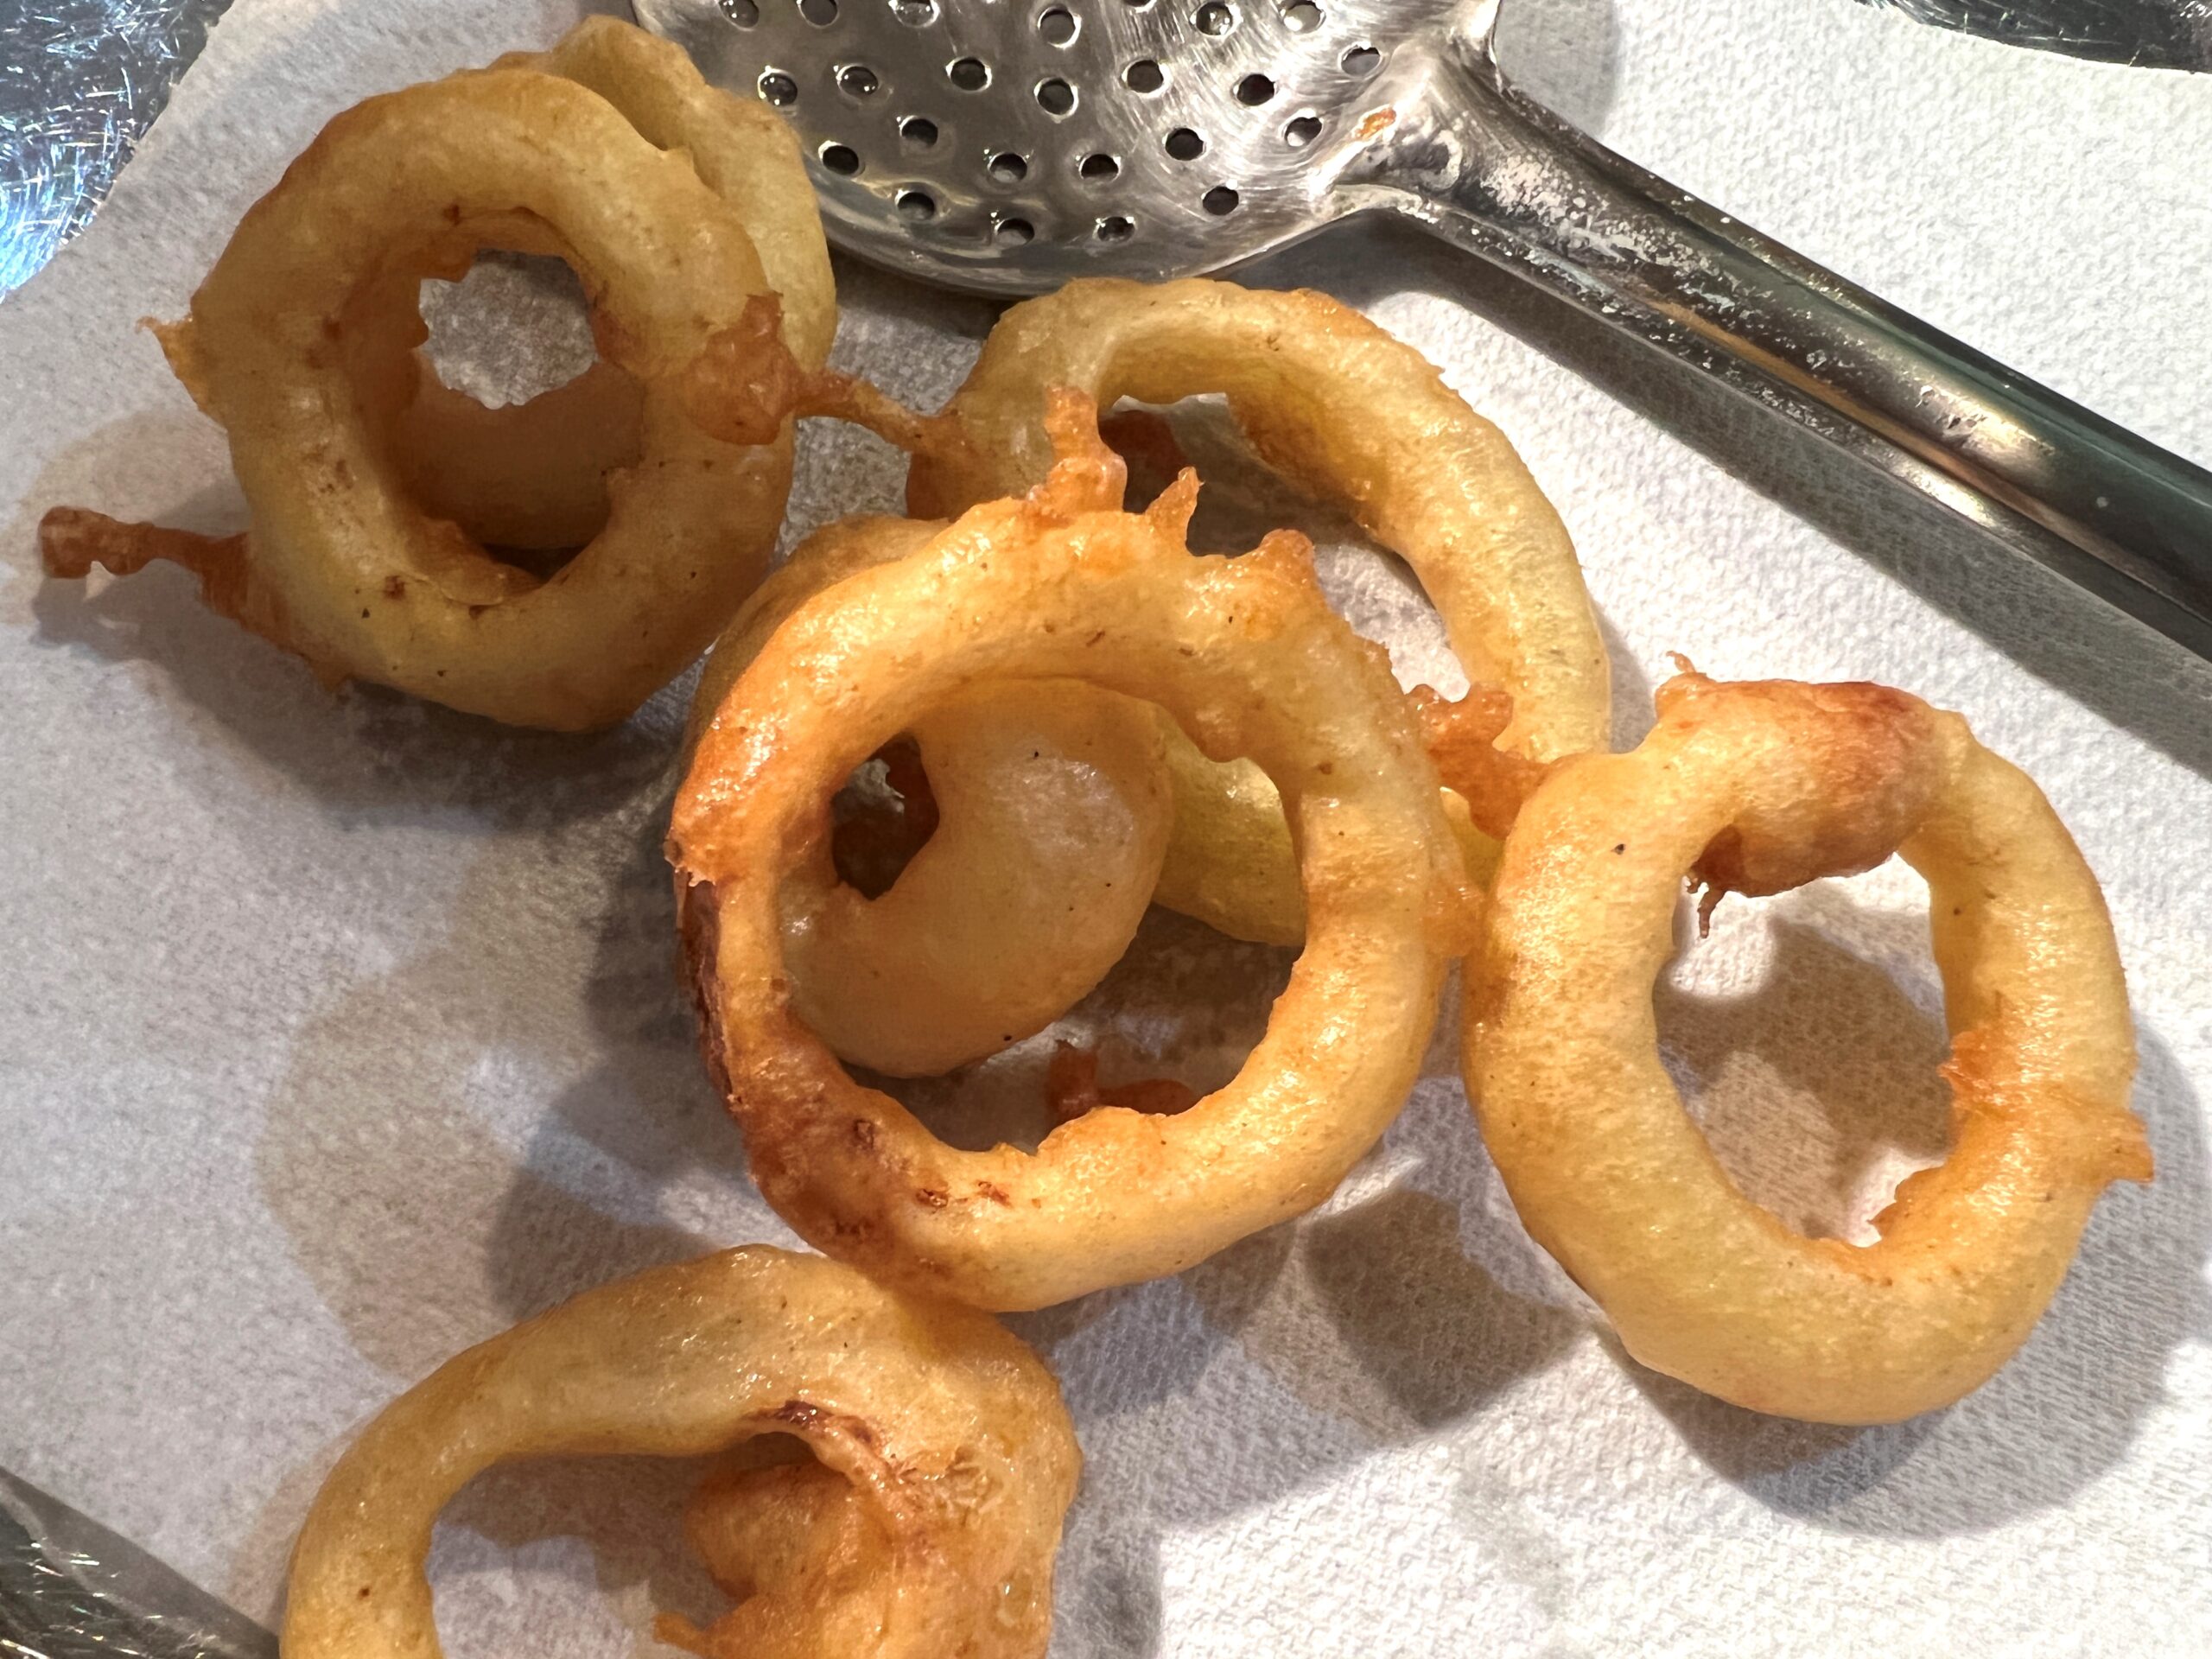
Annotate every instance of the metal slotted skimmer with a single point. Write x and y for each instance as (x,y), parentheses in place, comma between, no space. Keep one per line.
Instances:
(1009,146)
(1006,146)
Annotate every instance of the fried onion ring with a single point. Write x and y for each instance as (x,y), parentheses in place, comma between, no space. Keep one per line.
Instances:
(339,564)
(1053,818)
(1326,396)
(945,1461)
(1247,657)
(1757,788)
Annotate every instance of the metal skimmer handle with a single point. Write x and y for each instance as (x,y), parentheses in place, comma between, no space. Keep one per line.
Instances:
(1490,171)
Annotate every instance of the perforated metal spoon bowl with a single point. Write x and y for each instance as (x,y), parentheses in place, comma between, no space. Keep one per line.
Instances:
(1007,145)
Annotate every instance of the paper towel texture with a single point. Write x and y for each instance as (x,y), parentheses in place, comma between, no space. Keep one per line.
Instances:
(337,1032)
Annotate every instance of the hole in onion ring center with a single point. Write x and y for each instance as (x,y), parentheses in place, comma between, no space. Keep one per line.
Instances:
(1804,1035)
(525,1547)
(515,327)
(513,423)
(883,816)
(1243,498)
(1171,1022)
(525,1521)
(1183,1008)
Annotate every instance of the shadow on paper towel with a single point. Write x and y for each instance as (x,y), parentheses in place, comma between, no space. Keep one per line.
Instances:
(1817,1084)
(1269,1368)
(592,1547)
(431,1196)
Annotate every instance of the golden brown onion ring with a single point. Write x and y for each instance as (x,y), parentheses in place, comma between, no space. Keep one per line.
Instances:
(1247,657)
(1053,816)
(1328,397)
(1757,788)
(944,1461)
(339,564)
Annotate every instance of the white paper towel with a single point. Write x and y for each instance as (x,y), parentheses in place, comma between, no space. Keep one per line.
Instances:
(338,1033)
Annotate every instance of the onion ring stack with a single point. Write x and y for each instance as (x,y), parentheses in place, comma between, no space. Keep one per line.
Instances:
(1757,788)
(944,1461)
(1247,658)
(300,343)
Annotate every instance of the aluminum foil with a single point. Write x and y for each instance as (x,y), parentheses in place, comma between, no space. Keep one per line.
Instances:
(70,1589)
(2150,34)
(80,80)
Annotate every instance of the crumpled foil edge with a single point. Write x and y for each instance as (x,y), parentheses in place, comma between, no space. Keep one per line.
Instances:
(80,81)
(2148,33)
(70,1589)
